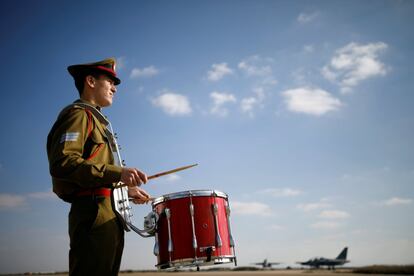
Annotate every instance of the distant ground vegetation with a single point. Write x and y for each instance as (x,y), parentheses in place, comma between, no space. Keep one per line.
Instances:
(386,269)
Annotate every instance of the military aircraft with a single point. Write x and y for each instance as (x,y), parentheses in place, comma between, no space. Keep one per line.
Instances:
(330,263)
(266,264)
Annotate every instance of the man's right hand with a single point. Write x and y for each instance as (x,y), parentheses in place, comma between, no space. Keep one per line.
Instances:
(133,177)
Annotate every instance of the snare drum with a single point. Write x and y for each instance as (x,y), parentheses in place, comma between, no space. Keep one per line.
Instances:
(193,229)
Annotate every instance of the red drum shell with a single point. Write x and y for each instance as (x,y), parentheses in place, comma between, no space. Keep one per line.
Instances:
(183,252)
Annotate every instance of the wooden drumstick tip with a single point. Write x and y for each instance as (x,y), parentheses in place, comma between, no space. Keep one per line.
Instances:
(171,171)
(161,174)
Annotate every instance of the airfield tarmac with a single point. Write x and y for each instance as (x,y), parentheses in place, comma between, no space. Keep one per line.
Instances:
(278,272)
(238,273)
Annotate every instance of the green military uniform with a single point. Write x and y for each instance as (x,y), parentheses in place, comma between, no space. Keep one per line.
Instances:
(83,172)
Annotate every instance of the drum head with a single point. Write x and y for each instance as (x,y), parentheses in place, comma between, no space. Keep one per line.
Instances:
(184,194)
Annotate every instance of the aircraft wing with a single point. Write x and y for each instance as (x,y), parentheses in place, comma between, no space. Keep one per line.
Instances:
(303,263)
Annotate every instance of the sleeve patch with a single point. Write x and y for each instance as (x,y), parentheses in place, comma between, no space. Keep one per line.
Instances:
(69,137)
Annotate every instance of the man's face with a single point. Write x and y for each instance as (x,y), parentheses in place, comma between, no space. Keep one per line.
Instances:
(104,90)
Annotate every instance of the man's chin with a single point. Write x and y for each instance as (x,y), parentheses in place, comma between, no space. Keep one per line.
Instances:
(108,103)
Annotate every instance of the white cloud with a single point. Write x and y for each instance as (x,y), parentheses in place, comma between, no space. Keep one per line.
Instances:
(173,177)
(354,63)
(218,71)
(248,104)
(256,66)
(328,74)
(334,214)
(275,227)
(260,93)
(313,206)
(284,192)
(146,72)
(120,63)
(43,195)
(8,201)
(308,48)
(327,225)
(307,17)
(298,74)
(313,101)
(268,81)
(219,100)
(173,104)
(251,208)
(397,201)
(261,69)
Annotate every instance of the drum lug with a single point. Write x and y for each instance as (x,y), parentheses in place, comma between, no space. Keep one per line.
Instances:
(218,238)
(230,235)
(228,224)
(170,244)
(193,226)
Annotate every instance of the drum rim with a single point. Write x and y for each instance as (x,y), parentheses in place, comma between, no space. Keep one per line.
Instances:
(184,194)
(202,261)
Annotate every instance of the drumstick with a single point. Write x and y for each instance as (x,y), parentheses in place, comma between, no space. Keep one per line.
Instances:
(171,171)
(163,173)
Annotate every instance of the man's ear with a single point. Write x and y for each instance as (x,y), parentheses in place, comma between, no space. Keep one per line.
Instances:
(90,81)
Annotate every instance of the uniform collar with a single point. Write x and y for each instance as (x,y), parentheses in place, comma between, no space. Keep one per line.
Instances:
(86,102)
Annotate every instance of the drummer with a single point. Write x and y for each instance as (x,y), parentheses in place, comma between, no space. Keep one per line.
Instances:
(83,172)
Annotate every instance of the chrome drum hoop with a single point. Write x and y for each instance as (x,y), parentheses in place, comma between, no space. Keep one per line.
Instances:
(191,262)
(188,194)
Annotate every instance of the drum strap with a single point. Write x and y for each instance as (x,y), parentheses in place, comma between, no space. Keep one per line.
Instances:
(90,127)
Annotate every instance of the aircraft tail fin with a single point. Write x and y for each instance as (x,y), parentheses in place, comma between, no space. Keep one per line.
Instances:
(342,255)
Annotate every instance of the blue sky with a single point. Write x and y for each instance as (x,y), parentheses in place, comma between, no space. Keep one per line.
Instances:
(301,111)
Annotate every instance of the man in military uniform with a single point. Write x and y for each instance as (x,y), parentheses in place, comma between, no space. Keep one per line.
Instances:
(83,171)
